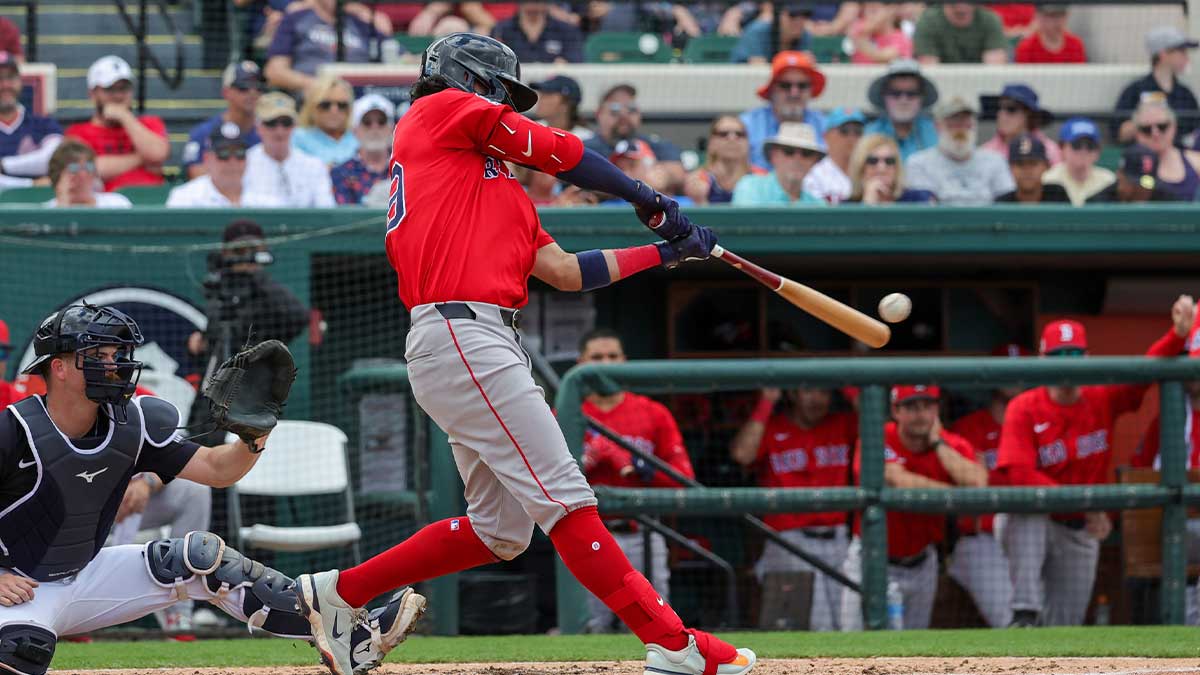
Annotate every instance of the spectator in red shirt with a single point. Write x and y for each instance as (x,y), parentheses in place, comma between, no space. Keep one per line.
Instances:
(917,453)
(130,150)
(649,426)
(1059,435)
(8,393)
(1051,42)
(805,446)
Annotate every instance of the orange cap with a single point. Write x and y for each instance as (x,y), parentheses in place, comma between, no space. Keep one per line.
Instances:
(800,60)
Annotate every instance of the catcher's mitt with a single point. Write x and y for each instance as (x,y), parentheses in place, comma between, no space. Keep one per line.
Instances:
(247,393)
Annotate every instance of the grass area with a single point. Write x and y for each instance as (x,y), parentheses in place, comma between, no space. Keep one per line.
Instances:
(1173,641)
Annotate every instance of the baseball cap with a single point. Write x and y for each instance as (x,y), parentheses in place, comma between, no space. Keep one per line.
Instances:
(226,135)
(1063,334)
(369,102)
(1025,147)
(1026,96)
(1140,164)
(1078,127)
(952,106)
(107,71)
(243,228)
(561,84)
(1163,38)
(839,116)
(799,60)
(903,393)
(243,74)
(631,148)
(796,135)
(274,105)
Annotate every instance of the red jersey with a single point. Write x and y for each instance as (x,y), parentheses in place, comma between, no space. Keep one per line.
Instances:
(1146,455)
(9,394)
(1014,14)
(791,457)
(982,431)
(909,533)
(1031,50)
(106,140)
(460,226)
(646,424)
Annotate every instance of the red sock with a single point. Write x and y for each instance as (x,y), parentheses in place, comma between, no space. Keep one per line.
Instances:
(593,556)
(437,549)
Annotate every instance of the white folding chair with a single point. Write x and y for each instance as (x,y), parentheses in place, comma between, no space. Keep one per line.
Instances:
(301,459)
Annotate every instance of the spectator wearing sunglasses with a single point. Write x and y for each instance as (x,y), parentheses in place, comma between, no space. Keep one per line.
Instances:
(904,96)
(618,118)
(130,149)
(726,160)
(292,177)
(828,179)
(1155,127)
(221,185)
(76,181)
(324,124)
(956,171)
(795,82)
(8,393)
(241,86)
(1020,113)
(1078,174)
(877,174)
(1169,50)
(1028,163)
(362,179)
(793,152)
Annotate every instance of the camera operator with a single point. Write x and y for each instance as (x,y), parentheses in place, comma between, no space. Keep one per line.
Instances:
(244,305)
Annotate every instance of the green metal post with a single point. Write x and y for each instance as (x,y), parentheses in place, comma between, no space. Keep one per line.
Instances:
(445,502)
(571,596)
(871,417)
(1174,523)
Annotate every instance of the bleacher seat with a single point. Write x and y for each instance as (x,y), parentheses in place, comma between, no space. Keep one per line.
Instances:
(414,44)
(147,195)
(29,195)
(709,49)
(1110,157)
(828,48)
(626,48)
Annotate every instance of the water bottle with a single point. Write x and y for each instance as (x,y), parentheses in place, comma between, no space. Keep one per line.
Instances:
(895,606)
(1103,611)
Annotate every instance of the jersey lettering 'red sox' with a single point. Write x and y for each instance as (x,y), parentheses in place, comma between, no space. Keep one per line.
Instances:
(792,457)
(460,227)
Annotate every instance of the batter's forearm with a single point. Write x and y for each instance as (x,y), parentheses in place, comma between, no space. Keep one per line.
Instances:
(594,172)
(599,268)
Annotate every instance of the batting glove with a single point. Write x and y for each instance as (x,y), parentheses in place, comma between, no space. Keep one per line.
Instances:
(660,213)
(695,245)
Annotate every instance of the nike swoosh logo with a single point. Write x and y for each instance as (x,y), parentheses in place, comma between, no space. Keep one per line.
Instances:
(508,128)
(1039,428)
(89,477)
(661,603)
(529,145)
(26,465)
(337,634)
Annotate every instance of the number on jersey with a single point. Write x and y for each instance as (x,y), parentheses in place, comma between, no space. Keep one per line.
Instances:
(395,212)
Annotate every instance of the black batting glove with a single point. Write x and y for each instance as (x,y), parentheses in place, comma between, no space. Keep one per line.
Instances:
(660,213)
(695,245)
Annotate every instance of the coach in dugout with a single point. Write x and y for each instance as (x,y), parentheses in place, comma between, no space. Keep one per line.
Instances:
(805,446)
(648,425)
(1060,435)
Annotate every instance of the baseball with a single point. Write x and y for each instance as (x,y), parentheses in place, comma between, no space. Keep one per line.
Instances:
(894,307)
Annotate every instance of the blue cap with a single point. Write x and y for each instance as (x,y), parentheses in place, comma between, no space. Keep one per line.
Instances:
(839,116)
(1078,127)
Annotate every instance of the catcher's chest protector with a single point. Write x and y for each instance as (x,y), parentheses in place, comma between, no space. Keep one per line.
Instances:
(55,530)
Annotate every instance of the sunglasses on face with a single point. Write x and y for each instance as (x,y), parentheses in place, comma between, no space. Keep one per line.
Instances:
(618,108)
(285,122)
(889,160)
(342,106)
(794,86)
(851,130)
(1084,144)
(803,152)
(230,153)
(1011,108)
(374,122)
(248,87)
(80,167)
(902,93)
(1147,129)
(729,133)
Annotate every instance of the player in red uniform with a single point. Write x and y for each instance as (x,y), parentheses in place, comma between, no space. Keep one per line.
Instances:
(648,425)
(805,447)
(918,454)
(1059,435)
(464,238)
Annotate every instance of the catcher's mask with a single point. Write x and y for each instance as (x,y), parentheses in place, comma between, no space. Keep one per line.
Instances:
(84,330)
(464,60)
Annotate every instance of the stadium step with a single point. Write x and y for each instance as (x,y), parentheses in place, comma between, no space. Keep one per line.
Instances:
(85,19)
(82,50)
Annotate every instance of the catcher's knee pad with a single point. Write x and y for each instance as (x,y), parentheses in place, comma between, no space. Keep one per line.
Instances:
(636,591)
(26,649)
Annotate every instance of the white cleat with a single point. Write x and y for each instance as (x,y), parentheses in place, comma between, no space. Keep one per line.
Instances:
(690,661)
(386,627)
(332,620)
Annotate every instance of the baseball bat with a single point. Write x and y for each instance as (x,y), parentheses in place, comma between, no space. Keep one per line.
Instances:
(842,317)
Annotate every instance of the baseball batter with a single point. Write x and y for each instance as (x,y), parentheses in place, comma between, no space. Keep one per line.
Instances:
(805,447)
(66,458)
(464,238)
(1059,435)
(918,454)
(648,425)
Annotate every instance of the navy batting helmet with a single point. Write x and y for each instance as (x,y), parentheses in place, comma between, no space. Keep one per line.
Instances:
(464,60)
(83,330)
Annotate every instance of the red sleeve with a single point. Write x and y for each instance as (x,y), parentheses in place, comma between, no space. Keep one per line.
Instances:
(1147,450)
(669,447)
(155,124)
(1016,459)
(82,131)
(1125,397)
(543,238)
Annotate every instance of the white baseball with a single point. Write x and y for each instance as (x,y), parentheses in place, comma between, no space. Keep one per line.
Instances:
(894,307)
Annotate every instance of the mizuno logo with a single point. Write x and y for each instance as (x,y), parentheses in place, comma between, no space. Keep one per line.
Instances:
(362,652)
(90,476)
(528,145)
(25,465)
(337,634)
(1039,428)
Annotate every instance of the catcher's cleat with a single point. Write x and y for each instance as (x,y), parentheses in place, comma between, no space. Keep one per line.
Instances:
(703,655)
(385,628)
(331,619)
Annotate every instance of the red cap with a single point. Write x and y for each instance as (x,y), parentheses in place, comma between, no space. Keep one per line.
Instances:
(903,393)
(1011,350)
(3,334)
(1063,334)
(801,60)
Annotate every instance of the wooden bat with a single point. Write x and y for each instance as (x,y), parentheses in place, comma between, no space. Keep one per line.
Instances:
(842,317)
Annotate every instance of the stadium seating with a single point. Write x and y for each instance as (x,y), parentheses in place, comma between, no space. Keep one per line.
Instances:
(26,196)
(414,44)
(147,195)
(709,49)
(626,48)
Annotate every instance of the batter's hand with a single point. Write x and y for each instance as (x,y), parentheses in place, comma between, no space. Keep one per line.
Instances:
(1097,525)
(696,245)
(15,589)
(660,213)
(1183,313)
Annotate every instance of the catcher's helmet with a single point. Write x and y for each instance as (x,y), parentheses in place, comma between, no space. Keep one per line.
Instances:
(82,330)
(464,59)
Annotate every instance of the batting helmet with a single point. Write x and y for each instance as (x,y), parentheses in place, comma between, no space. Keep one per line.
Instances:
(464,60)
(82,330)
